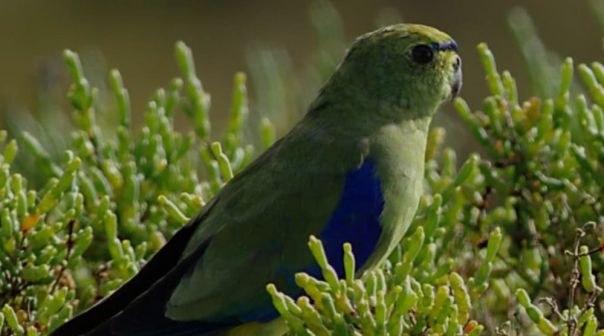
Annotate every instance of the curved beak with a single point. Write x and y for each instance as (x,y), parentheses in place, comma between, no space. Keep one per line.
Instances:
(457,78)
(456,85)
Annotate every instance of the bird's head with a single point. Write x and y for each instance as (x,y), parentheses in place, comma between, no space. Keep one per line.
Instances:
(401,71)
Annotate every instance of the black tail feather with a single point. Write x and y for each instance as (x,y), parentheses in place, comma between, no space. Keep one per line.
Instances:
(160,264)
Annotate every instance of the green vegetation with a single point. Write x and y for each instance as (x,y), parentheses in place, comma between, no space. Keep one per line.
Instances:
(508,243)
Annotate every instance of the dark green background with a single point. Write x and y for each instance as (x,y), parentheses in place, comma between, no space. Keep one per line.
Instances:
(138,38)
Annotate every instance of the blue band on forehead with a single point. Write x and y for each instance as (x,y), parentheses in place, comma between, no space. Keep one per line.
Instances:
(451,45)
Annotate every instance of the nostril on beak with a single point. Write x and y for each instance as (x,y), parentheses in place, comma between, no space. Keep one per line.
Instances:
(457,63)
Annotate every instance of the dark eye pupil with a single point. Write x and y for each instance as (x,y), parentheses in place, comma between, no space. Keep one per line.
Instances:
(422,54)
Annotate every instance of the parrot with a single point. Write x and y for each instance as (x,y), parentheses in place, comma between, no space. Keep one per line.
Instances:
(350,170)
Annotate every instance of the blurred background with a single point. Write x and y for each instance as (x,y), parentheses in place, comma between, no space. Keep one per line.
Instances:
(256,37)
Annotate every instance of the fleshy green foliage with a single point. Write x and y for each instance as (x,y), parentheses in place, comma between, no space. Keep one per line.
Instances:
(408,295)
(114,198)
(499,245)
(548,154)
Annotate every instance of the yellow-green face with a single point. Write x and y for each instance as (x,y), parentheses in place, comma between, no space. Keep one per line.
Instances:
(411,68)
(434,53)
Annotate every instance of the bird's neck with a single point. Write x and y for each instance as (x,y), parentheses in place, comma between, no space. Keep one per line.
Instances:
(400,134)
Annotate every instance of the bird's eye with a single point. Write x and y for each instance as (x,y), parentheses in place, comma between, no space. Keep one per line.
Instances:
(422,54)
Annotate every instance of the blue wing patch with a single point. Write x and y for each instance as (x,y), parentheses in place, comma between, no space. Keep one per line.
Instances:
(355,219)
